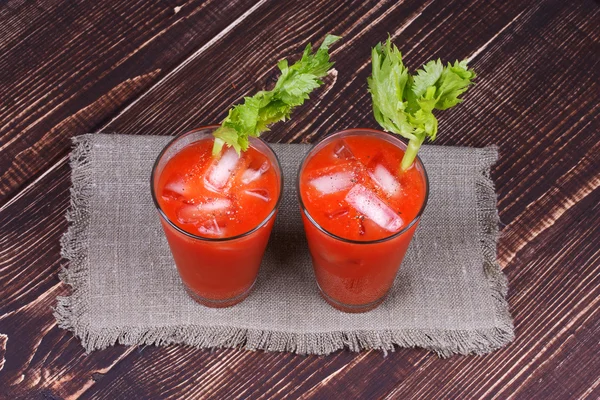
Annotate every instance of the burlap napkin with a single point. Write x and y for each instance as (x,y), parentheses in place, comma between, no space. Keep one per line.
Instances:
(449,295)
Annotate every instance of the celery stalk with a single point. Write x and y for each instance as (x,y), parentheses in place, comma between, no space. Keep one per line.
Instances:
(404,103)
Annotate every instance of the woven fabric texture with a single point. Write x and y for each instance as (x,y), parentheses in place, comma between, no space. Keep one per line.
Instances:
(449,295)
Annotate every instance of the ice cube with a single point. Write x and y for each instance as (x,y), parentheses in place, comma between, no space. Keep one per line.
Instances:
(178,187)
(175,190)
(372,207)
(250,175)
(262,194)
(221,170)
(385,180)
(333,183)
(342,151)
(166,196)
(189,214)
(196,213)
(214,205)
(210,228)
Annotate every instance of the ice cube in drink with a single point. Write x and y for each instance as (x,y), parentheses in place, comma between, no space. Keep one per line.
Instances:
(385,180)
(176,190)
(342,151)
(262,194)
(332,182)
(222,169)
(251,174)
(200,212)
(371,206)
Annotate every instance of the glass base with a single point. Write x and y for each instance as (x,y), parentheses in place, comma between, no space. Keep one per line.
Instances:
(218,303)
(351,308)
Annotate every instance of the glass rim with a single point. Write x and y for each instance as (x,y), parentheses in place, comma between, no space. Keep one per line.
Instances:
(203,238)
(343,239)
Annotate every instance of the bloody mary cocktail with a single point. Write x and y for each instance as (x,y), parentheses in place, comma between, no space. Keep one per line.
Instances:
(217,213)
(359,214)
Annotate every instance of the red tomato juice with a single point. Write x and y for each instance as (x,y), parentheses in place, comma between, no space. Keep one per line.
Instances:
(359,214)
(217,214)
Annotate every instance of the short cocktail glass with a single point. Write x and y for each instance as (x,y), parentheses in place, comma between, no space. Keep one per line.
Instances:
(359,214)
(217,213)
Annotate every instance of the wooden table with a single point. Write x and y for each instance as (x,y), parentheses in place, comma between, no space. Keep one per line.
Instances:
(161,68)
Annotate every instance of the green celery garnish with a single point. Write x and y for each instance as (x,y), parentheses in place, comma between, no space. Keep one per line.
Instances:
(404,103)
(254,116)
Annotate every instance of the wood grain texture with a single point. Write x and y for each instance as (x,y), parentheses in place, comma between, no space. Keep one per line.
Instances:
(66,66)
(537,96)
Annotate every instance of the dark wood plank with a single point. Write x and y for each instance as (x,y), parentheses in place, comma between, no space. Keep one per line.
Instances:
(29,240)
(40,357)
(537,96)
(67,66)
(207,83)
(3,341)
